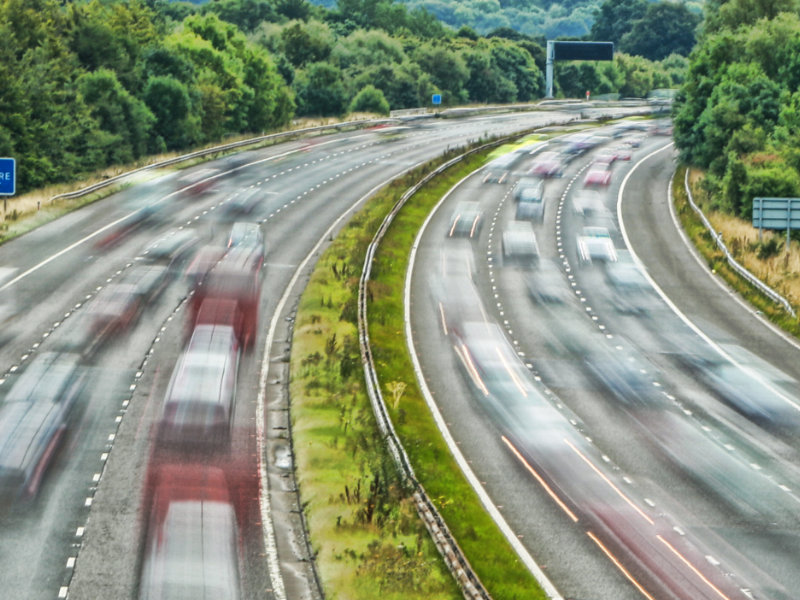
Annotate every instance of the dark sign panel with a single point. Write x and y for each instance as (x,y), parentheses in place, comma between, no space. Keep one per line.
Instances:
(584,50)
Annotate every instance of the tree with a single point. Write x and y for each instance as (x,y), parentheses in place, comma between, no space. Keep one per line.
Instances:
(245,14)
(319,90)
(305,43)
(293,9)
(615,18)
(169,101)
(665,28)
(125,118)
(370,100)
(446,68)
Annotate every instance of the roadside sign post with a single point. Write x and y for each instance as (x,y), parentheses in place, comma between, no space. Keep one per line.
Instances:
(8,180)
(776,213)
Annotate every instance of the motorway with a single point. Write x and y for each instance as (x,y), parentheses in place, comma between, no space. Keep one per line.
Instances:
(633,423)
(81,536)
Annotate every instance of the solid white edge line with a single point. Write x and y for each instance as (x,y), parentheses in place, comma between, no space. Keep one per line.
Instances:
(490,507)
(716,347)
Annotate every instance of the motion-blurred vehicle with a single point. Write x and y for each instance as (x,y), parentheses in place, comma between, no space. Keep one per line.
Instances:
(243,204)
(547,164)
(519,244)
(546,284)
(604,159)
(750,386)
(497,171)
(636,140)
(595,244)
(34,418)
(466,220)
(632,290)
(597,176)
(114,309)
(172,249)
(247,236)
(196,181)
(623,153)
(530,204)
(148,281)
(201,396)
(203,261)
(588,203)
(661,128)
(237,277)
(526,183)
(624,372)
(192,548)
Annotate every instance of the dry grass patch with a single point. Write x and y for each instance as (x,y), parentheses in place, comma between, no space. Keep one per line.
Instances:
(766,258)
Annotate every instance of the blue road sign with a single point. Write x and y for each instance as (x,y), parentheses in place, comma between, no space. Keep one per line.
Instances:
(8,176)
(436,99)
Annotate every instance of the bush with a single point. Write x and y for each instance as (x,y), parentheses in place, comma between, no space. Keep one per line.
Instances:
(370,99)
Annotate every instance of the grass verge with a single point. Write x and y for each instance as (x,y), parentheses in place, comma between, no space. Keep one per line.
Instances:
(367,537)
(777,268)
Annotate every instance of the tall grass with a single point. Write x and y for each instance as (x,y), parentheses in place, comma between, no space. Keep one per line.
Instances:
(767,258)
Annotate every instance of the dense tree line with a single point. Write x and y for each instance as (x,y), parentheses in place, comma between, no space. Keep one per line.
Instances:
(738,113)
(87,84)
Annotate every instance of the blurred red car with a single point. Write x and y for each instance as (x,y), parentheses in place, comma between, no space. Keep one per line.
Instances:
(192,545)
(597,177)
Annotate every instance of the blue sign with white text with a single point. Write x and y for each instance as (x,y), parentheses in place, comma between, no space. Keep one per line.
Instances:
(8,176)
(436,99)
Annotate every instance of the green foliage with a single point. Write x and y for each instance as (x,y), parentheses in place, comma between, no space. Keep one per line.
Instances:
(665,28)
(127,119)
(737,112)
(370,99)
(245,14)
(615,18)
(89,84)
(320,91)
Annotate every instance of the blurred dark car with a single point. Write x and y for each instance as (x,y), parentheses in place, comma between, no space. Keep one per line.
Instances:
(547,284)
(172,249)
(33,420)
(244,203)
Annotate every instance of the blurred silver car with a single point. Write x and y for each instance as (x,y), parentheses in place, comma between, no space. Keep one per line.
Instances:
(33,420)
(466,220)
(200,400)
(595,244)
(519,244)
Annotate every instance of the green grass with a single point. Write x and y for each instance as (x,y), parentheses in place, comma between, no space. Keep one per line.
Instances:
(496,564)
(343,468)
(364,528)
(336,439)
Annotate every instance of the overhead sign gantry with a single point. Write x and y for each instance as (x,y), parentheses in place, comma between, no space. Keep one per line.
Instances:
(575,51)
